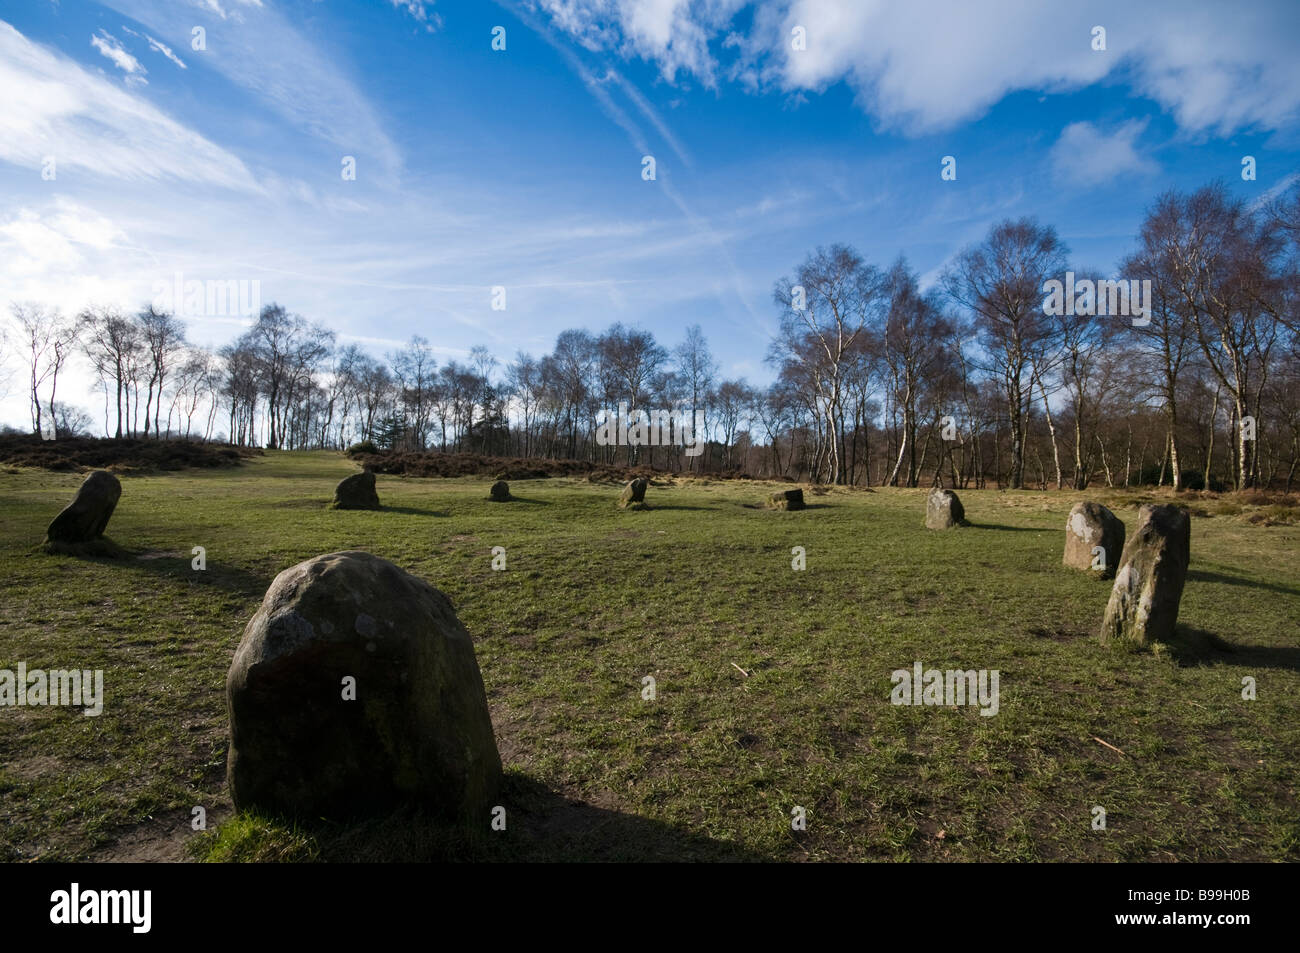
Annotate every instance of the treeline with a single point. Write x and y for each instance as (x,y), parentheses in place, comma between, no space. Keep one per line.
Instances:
(975,382)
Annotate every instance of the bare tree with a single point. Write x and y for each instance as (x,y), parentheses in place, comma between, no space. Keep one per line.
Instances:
(242,388)
(915,332)
(733,400)
(271,343)
(197,382)
(697,369)
(48,340)
(482,364)
(416,373)
(376,395)
(1086,381)
(70,421)
(523,377)
(1163,255)
(1226,276)
(342,393)
(827,308)
(112,344)
(163,337)
(630,358)
(1000,282)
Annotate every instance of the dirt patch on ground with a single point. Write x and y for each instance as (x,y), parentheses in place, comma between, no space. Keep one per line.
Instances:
(160,840)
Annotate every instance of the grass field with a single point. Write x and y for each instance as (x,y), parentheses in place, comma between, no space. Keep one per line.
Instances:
(690,591)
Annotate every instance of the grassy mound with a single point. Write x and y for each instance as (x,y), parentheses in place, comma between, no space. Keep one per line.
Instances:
(77,454)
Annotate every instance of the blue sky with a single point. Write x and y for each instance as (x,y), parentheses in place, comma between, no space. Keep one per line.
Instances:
(522,167)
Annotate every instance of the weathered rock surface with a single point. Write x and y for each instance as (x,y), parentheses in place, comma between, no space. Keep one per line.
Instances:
(501,492)
(1149,583)
(787,500)
(943,510)
(356,492)
(1090,525)
(87,516)
(416,729)
(634,492)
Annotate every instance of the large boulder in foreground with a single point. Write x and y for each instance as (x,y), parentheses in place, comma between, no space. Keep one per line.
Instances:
(1088,526)
(357,492)
(1149,582)
(86,517)
(501,492)
(417,729)
(943,510)
(634,492)
(787,500)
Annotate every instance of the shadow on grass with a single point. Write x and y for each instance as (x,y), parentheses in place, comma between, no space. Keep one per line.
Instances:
(1192,647)
(1003,527)
(181,569)
(99,549)
(413,511)
(520,499)
(661,506)
(1200,575)
(542,826)
(176,566)
(785,509)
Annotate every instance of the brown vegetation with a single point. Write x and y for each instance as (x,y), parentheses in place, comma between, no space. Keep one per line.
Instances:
(88,453)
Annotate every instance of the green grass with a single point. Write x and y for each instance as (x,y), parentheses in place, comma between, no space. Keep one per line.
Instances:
(594,598)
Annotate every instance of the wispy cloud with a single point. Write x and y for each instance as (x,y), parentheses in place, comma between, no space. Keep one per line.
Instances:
(1276,189)
(54,108)
(214,6)
(157,47)
(108,45)
(422,11)
(597,88)
(651,115)
(292,75)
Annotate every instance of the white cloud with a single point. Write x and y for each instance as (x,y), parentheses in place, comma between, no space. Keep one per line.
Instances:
(52,243)
(214,6)
(1223,69)
(421,10)
(926,65)
(303,82)
(1084,155)
(53,107)
(158,47)
(673,33)
(1276,189)
(108,45)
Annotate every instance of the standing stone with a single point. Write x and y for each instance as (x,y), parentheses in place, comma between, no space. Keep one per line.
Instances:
(501,492)
(87,516)
(943,510)
(634,492)
(1152,571)
(357,492)
(788,500)
(1090,525)
(417,729)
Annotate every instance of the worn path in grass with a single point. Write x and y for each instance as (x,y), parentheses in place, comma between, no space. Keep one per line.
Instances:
(594,599)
